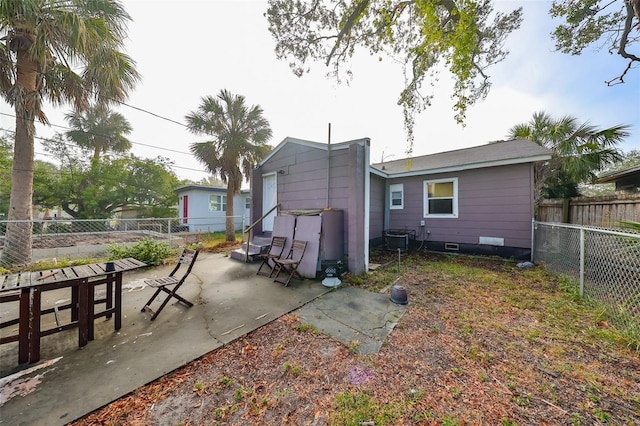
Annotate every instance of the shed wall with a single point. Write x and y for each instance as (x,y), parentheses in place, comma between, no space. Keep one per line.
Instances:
(308,179)
(376,207)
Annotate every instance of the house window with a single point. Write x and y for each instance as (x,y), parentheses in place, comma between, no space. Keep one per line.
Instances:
(247,203)
(396,195)
(218,203)
(441,198)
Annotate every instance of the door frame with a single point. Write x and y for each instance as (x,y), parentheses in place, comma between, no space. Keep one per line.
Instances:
(267,222)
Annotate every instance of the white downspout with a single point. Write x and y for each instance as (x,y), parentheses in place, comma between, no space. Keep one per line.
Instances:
(367,202)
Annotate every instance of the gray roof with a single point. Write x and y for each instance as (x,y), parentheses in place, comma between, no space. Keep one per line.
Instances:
(199,187)
(311,144)
(612,176)
(493,154)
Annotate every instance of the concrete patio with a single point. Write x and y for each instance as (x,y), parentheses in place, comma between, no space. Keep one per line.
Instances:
(230,301)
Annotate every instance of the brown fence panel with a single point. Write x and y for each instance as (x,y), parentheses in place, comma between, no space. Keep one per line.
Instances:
(606,211)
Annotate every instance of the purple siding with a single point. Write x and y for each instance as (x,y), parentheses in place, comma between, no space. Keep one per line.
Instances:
(376,207)
(492,202)
(302,185)
(256,200)
(356,233)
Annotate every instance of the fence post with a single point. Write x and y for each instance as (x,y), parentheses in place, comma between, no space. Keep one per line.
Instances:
(169,231)
(533,239)
(566,210)
(581,262)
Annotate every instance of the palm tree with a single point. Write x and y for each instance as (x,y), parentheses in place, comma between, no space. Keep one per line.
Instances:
(63,51)
(100,129)
(240,135)
(579,151)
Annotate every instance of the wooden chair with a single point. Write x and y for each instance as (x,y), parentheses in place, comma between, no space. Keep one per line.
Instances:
(290,263)
(172,283)
(275,252)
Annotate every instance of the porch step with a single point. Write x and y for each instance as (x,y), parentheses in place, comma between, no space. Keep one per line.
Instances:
(256,248)
(261,240)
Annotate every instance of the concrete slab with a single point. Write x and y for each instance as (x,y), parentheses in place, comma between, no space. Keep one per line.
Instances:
(69,382)
(230,300)
(358,318)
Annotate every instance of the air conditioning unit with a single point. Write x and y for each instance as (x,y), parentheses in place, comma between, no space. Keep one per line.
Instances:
(397,242)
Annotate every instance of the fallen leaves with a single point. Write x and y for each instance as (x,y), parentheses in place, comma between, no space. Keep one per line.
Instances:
(467,351)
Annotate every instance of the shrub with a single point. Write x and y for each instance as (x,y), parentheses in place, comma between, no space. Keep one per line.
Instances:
(148,251)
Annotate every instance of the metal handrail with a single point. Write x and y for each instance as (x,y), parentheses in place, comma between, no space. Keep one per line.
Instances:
(248,230)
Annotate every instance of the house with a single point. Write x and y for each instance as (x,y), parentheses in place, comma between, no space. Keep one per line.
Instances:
(474,200)
(204,208)
(626,180)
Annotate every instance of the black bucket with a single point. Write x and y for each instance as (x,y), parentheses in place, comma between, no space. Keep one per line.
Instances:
(399,295)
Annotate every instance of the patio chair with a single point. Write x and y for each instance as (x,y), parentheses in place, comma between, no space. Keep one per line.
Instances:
(275,252)
(172,283)
(289,265)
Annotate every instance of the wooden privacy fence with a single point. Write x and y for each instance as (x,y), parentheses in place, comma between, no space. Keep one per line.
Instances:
(605,211)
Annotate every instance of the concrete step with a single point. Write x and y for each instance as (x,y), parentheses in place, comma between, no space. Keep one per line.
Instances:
(255,250)
(261,240)
(239,254)
(257,247)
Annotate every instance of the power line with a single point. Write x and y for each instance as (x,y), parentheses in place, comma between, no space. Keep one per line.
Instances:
(151,113)
(114,154)
(94,134)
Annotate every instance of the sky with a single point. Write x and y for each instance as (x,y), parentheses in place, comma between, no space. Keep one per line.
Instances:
(186,49)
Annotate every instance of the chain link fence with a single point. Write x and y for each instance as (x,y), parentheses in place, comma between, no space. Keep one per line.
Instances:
(25,242)
(604,263)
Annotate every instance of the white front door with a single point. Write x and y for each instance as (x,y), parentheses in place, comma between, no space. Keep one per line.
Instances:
(269,199)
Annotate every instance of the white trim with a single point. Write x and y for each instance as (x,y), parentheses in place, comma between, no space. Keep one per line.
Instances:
(396,187)
(275,175)
(462,167)
(223,202)
(378,172)
(367,203)
(425,206)
(311,144)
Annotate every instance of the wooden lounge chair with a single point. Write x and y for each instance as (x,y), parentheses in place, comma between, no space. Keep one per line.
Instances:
(268,259)
(172,283)
(289,265)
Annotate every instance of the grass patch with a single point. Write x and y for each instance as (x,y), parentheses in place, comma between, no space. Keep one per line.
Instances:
(354,408)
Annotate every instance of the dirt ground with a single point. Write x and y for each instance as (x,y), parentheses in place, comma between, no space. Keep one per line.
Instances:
(480,343)
(74,240)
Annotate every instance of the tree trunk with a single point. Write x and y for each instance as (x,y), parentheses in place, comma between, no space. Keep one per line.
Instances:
(230,228)
(18,238)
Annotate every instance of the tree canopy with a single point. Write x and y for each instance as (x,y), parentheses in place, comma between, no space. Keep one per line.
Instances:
(100,129)
(465,37)
(579,151)
(610,24)
(237,141)
(88,189)
(63,51)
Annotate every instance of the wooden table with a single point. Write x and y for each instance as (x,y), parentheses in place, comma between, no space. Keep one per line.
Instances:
(27,288)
